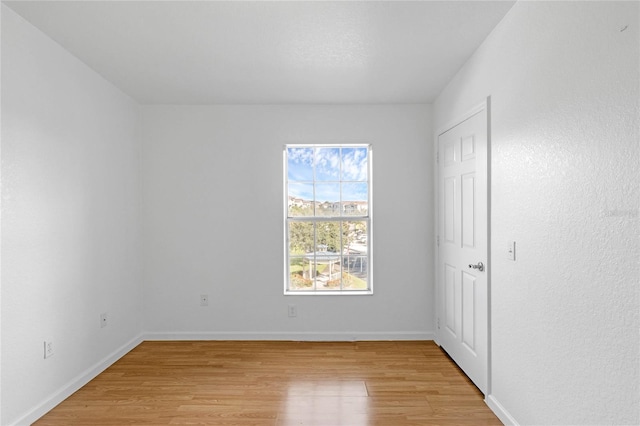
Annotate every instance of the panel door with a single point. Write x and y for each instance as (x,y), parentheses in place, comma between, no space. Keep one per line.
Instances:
(462,288)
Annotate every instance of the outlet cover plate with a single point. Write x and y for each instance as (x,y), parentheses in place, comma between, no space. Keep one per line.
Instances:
(293,311)
(48,349)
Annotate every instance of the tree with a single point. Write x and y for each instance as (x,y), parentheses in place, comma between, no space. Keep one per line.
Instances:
(328,234)
(301,237)
(351,231)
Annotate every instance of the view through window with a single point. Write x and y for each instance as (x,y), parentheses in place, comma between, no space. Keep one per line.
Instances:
(328,219)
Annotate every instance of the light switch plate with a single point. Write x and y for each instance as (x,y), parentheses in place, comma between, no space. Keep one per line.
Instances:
(511,250)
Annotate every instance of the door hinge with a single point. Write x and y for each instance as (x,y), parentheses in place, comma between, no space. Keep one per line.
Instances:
(438,240)
(437,157)
(438,323)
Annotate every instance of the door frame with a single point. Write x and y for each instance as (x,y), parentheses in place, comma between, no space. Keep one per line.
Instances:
(450,124)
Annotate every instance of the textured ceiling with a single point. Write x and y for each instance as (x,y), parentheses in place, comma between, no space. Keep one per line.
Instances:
(217,52)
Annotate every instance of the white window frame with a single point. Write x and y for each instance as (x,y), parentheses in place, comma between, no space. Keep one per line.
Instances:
(341,218)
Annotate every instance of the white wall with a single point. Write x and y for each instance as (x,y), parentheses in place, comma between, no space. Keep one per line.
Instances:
(212,222)
(69,221)
(563,80)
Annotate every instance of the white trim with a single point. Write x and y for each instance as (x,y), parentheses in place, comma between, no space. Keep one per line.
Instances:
(79,381)
(329,293)
(436,228)
(489,242)
(326,336)
(500,411)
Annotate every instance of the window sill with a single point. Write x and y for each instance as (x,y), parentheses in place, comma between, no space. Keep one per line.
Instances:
(329,293)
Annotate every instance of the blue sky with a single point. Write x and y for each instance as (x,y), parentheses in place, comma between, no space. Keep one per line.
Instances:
(331,165)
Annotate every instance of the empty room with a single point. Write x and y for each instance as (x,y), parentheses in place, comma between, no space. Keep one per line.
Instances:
(320,212)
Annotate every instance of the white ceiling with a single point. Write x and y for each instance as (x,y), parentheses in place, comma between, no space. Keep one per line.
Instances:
(270,52)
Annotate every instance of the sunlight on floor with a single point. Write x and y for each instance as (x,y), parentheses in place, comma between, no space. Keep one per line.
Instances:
(326,402)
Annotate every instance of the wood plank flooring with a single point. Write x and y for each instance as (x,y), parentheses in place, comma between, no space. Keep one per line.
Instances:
(277,383)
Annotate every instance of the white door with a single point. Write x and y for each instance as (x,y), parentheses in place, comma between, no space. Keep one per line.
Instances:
(462,277)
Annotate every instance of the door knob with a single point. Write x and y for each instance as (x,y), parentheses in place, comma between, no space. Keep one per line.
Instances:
(479,266)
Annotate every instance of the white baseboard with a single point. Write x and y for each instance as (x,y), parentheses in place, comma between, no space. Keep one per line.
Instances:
(500,411)
(82,379)
(295,336)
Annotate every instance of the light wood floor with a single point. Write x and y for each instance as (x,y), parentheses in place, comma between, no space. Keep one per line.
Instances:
(278,383)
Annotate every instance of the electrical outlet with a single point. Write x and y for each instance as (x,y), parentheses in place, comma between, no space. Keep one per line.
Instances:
(104,320)
(48,349)
(204,300)
(293,311)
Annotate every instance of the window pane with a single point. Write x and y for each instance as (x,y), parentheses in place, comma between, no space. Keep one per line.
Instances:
(355,197)
(300,164)
(300,274)
(328,198)
(354,164)
(328,272)
(355,273)
(328,238)
(354,238)
(301,241)
(327,164)
(300,199)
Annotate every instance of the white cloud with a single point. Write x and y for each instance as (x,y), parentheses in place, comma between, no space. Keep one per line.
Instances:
(300,155)
(327,162)
(354,164)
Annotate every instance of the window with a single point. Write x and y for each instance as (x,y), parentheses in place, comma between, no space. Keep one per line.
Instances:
(327,219)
